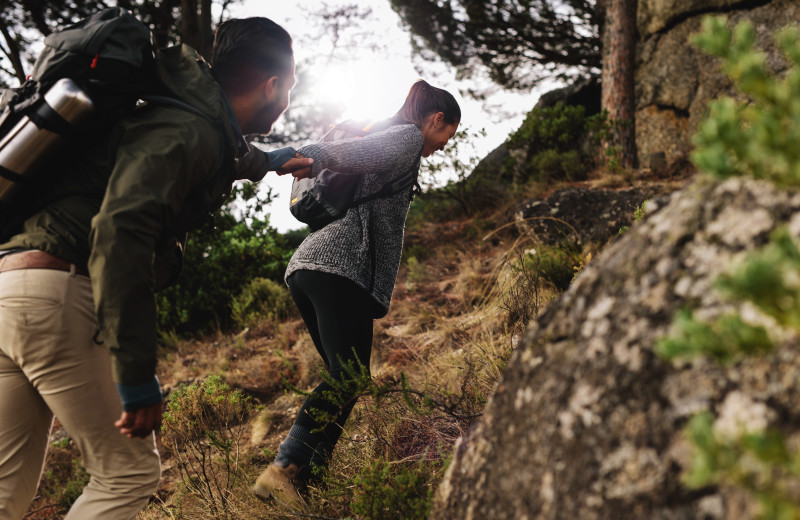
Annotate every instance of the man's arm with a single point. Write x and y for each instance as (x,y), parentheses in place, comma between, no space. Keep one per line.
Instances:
(158,161)
(255,164)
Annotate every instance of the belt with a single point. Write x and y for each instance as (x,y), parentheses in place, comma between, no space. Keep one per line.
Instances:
(36,260)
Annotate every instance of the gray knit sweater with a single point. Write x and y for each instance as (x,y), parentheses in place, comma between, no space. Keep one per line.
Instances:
(365,245)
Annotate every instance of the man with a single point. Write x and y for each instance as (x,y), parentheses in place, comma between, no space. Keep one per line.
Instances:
(77,282)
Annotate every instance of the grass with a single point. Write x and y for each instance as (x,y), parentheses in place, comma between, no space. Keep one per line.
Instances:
(437,358)
(464,295)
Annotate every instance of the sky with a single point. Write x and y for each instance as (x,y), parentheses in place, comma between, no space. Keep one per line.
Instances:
(369,83)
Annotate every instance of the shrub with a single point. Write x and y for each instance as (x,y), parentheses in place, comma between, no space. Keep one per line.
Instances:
(389,491)
(452,185)
(417,272)
(220,259)
(759,139)
(523,298)
(65,485)
(203,427)
(558,264)
(555,165)
(295,237)
(560,143)
(262,298)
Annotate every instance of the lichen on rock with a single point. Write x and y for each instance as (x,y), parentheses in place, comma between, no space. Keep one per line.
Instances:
(598,418)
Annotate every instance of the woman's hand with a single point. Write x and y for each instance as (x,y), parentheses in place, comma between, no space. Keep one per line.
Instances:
(299,167)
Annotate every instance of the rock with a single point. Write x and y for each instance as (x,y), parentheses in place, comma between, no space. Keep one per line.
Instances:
(588,215)
(587,421)
(675,81)
(654,16)
(584,92)
(491,166)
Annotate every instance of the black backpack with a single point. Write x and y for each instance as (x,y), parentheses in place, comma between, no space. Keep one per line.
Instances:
(109,59)
(320,200)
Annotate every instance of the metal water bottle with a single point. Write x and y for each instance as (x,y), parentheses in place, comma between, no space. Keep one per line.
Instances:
(38,134)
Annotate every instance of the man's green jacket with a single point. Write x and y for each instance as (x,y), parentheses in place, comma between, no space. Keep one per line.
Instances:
(121,211)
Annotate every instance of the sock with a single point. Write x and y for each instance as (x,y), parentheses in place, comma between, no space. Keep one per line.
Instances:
(297,448)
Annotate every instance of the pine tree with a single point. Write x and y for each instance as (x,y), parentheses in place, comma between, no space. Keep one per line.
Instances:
(619,54)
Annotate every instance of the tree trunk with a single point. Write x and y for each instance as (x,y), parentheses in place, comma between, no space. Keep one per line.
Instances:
(196,25)
(619,55)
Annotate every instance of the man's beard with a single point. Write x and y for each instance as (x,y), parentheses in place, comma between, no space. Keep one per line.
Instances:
(264,119)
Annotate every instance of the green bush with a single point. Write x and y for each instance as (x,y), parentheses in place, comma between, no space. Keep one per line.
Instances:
(555,165)
(262,298)
(295,237)
(203,428)
(395,491)
(557,264)
(65,490)
(452,183)
(757,139)
(560,143)
(220,259)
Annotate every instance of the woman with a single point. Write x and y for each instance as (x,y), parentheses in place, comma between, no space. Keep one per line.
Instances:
(343,275)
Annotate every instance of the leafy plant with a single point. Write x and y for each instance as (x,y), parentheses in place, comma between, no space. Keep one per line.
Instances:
(759,138)
(417,272)
(724,339)
(65,490)
(203,427)
(220,259)
(261,298)
(560,143)
(638,215)
(389,491)
(759,462)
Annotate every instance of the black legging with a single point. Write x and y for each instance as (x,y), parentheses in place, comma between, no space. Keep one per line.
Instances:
(339,315)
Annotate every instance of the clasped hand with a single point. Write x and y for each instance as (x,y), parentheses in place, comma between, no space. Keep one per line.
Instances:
(299,167)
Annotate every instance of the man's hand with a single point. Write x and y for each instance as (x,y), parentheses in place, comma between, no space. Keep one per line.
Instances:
(139,423)
(299,167)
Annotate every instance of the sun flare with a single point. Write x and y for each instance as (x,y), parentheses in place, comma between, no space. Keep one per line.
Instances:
(366,89)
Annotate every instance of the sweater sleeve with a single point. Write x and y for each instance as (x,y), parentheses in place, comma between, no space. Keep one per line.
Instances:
(381,153)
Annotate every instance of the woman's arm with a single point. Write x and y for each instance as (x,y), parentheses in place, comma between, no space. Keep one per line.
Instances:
(383,152)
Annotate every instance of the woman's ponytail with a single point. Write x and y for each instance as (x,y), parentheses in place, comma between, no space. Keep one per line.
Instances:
(424,100)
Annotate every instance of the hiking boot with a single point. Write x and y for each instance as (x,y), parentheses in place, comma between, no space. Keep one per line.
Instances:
(279,482)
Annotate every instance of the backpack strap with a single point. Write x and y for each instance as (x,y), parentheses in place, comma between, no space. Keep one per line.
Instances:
(177,103)
(188,218)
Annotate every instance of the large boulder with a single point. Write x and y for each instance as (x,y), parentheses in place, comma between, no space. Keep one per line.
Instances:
(587,421)
(676,81)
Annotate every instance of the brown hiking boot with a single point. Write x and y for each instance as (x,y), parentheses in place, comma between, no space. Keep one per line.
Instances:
(278,482)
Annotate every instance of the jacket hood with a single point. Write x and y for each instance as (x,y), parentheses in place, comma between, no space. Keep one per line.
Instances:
(187,76)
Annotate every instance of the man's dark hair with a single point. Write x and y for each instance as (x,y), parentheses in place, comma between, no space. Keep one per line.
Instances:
(249,50)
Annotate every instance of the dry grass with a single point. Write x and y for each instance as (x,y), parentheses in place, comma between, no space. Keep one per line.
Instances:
(446,336)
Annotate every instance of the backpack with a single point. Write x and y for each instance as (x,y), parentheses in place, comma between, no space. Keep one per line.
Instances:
(89,76)
(320,200)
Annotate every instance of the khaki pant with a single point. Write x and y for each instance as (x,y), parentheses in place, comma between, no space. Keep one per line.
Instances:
(49,364)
